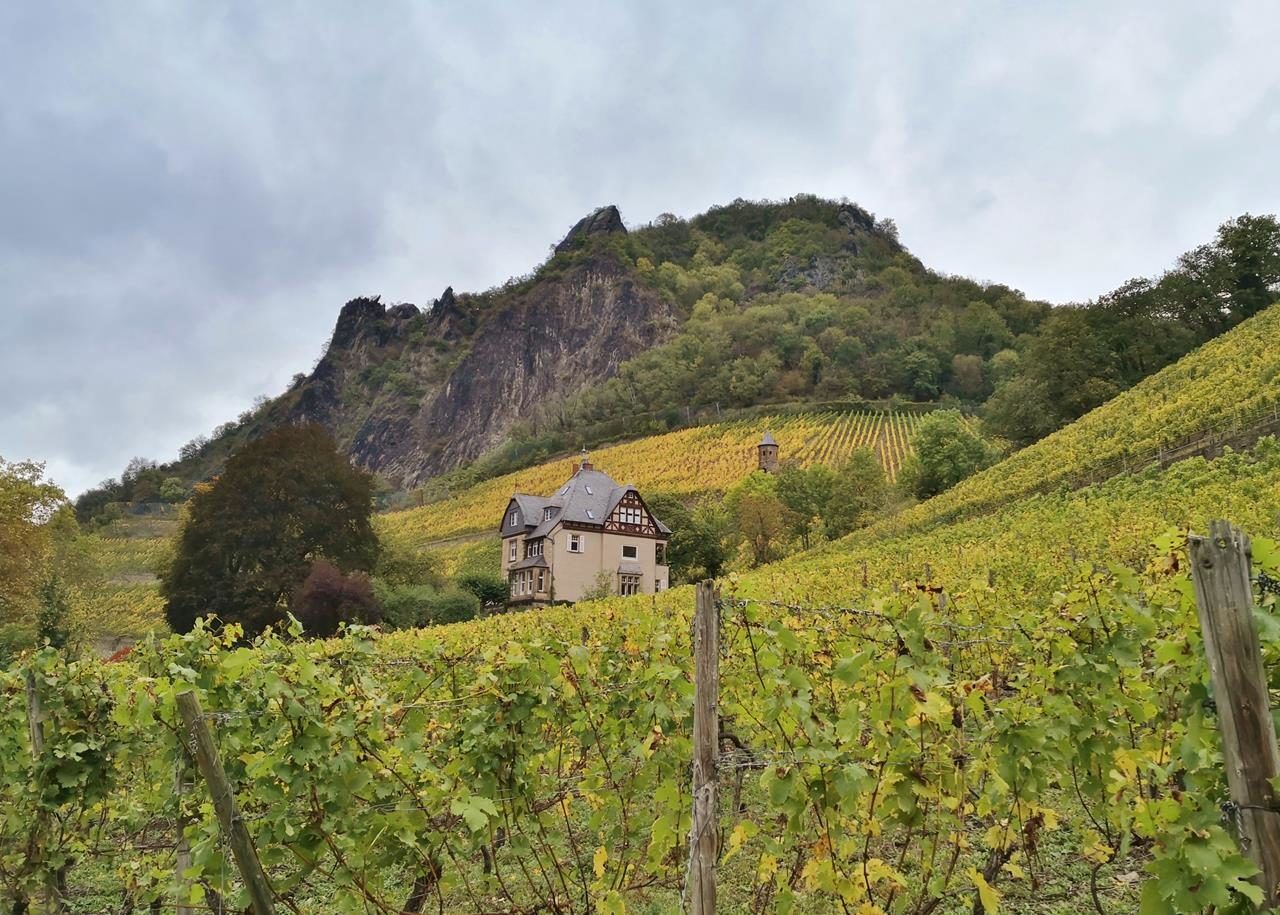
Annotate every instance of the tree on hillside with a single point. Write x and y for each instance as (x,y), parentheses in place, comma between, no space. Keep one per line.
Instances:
(946,451)
(251,536)
(858,493)
(764,524)
(807,493)
(27,503)
(699,544)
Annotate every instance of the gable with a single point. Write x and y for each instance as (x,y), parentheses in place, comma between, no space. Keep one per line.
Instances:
(632,516)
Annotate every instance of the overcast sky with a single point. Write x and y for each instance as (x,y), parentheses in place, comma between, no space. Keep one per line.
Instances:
(190,191)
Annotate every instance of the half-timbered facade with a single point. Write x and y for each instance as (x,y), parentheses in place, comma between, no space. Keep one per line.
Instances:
(589,532)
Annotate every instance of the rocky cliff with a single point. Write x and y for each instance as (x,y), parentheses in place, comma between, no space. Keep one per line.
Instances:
(411,393)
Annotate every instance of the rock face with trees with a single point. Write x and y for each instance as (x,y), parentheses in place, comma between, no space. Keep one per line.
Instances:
(625,332)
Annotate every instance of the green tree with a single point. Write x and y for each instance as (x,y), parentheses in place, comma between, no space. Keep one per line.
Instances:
(858,493)
(763,523)
(52,620)
(488,587)
(251,536)
(946,451)
(27,503)
(698,547)
(806,492)
(172,489)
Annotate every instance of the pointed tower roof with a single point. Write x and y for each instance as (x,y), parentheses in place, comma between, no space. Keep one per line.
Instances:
(768,439)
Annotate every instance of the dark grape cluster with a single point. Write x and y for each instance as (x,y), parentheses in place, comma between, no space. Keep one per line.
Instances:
(1267,584)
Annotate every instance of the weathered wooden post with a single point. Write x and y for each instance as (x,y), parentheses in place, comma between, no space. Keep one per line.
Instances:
(52,902)
(1224,599)
(704,831)
(224,803)
(182,848)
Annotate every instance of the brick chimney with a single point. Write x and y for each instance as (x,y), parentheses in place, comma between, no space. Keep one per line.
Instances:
(585,463)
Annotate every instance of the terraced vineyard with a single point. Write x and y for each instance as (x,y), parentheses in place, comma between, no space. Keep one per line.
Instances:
(696,460)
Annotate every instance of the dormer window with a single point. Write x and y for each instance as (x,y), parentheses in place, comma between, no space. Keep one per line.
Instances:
(512,519)
(548,514)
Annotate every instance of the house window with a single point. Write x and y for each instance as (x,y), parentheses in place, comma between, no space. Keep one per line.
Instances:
(513,519)
(542,581)
(548,514)
(628,514)
(532,548)
(628,584)
(630,552)
(521,583)
(575,543)
(660,553)
(511,551)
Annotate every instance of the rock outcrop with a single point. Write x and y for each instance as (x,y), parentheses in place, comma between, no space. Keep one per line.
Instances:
(412,394)
(604,221)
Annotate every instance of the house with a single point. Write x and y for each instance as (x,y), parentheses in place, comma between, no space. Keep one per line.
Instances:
(591,530)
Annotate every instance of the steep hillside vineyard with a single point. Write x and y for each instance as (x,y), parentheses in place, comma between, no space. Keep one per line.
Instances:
(1229,383)
(1042,737)
(691,461)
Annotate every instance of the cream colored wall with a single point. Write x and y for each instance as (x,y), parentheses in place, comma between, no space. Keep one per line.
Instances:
(575,573)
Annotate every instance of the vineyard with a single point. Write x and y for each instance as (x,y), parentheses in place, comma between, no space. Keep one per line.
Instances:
(691,461)
(1192,397)
(1005,714)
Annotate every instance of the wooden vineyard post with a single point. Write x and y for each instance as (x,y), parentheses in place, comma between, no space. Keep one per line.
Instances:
(35,730)
(1224,599)
(182,849)
(704,832)
(224,803)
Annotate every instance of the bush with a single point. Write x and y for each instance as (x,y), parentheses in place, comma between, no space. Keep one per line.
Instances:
(405,606)
(328,598)
(453,606)
(486,586)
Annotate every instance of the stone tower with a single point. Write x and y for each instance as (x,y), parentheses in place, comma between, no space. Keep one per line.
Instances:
(768,453)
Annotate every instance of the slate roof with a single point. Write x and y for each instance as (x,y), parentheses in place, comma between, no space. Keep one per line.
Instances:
(768,438)
(588,497)
(531,562)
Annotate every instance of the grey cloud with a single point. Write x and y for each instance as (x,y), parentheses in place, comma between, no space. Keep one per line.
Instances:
(188,192)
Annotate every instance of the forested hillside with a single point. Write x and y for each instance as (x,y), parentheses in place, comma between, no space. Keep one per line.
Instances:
(625,333)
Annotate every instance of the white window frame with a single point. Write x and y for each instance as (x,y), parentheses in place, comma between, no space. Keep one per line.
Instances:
(548,513)
(514,518)
(576,540)
(542,581)
(628,584)
(512,550)
(635,551)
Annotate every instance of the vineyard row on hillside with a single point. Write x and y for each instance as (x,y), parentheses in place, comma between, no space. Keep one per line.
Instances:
(690,461)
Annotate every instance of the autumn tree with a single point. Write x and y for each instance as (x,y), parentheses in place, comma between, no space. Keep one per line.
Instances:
(27,502)
(328,598)
(251,536)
